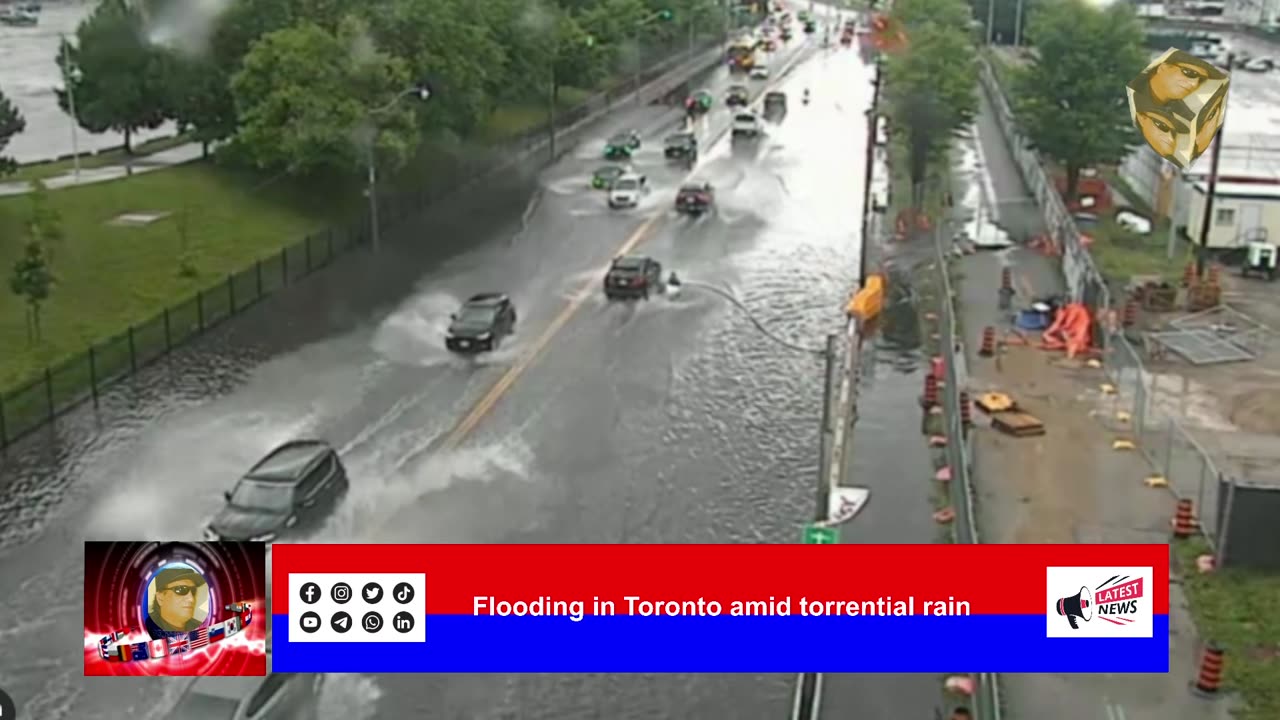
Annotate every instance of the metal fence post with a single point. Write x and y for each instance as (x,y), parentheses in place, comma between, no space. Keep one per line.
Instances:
(168,333)
(231,294)
(133,353)
(1220,546)
(284,266)
(93,375)
(1168,452)
(328,238)
(306,242)
(200,310)
(48,391)
(257,277)
(1200,509)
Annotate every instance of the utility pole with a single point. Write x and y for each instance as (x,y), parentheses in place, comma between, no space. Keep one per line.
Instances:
(1202,253)
(1175,202)
(372,163)
(991,20)
(822,511)
(551,114)
(1017,25)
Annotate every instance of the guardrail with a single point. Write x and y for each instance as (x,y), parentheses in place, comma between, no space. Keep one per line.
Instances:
(86,376)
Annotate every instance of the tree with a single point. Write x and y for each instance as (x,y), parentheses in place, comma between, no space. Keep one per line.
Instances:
(1071,99)
(303,103)
(33,281)
(930,89)
(11,123)
(199,98)
(119,78)
(44,225)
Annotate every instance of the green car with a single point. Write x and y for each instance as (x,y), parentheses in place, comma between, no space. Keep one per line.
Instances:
(621,145)
(603,177)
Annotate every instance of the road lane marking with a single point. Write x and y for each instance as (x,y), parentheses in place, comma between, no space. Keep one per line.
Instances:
(486,403)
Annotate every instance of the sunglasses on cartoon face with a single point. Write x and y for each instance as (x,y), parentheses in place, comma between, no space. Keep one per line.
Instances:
(181,589)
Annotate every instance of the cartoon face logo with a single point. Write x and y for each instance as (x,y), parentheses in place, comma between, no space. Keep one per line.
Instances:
(177,600)
(1178,104)
(1100,602)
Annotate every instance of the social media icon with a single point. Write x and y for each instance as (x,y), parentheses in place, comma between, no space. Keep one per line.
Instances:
(341,593)
(310,593)
(373,593)
(310,622)
(372,622)
(341,622)
(402,622)
(403,593)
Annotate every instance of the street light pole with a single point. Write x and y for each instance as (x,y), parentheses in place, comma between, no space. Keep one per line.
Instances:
(822,511)
(68,80)
(1017,25)
(1174,203)
(991,20)
(423,92)
(1202,252)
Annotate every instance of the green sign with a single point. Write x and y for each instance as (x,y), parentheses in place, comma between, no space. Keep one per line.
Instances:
(819,535)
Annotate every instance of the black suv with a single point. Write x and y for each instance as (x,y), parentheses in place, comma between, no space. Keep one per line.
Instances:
(292,490)
(481,323)
(738,95)
(681,146)
(633,276)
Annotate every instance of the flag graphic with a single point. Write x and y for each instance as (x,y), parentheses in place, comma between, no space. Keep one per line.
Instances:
(156,649)
(178,646)
(248,614)
(199,638)
(104,647)
(232,625)
(217,632)
(124,652)
(139,651)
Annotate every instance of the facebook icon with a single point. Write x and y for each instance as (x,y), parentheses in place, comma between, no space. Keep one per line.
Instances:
(309,593)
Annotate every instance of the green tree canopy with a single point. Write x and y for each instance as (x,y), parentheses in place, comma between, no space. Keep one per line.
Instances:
(930,86)
(11,123)
(306,98)
(1072,99)
(119,78)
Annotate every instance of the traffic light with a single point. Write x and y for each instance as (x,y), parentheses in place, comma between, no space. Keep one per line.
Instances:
(666,15)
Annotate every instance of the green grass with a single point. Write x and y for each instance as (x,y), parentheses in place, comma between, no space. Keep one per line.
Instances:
(45,170)
(1240,611)
(111,277)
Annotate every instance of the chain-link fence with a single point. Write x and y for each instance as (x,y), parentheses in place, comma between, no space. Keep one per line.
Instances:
(86,376)
(1148,410)
(959,447)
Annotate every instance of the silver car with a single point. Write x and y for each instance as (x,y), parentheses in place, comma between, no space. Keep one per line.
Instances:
(626,191)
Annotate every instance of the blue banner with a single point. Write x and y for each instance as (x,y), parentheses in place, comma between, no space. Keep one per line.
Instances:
(791,644)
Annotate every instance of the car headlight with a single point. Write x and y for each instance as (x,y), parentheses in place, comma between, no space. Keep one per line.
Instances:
(484,336)
(265,537)
(209,534)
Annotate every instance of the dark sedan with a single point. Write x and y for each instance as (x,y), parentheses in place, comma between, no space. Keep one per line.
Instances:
(481,324)
(290,491)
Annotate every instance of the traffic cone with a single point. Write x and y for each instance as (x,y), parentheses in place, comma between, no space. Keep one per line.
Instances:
(966,410)
(930,398)
(1210,678)
(988,347)
(1130,313)
(1184,520)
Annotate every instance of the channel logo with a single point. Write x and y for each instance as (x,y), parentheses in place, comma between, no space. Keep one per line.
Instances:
(1096,602)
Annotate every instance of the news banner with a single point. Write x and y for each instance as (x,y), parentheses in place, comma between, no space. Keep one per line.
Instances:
(720,608)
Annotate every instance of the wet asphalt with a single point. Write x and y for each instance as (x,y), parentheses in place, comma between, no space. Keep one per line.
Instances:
(671,421)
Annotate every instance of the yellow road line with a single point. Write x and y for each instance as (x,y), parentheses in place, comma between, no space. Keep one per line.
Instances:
(491,398)
(485,405)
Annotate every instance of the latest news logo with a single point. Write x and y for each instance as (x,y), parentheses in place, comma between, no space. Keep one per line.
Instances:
(1095,602)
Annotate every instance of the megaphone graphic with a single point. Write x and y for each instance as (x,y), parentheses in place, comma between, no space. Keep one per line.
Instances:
(1079,605)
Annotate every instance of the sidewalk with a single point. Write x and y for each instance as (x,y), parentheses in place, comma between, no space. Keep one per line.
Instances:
(1067,485)
(141,164)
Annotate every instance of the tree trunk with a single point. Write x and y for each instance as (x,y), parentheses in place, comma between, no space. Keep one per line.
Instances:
(35,322)
(204,150)
(31,330)
(128,141)
(1073,180)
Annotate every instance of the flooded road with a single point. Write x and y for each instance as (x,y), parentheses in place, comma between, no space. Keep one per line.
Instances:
(674,420)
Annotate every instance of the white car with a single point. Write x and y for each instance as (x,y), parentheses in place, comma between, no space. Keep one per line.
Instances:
(760,72)
(746,124)
(626,191)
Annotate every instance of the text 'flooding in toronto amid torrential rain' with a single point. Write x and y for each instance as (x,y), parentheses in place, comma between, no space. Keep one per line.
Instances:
(576,610)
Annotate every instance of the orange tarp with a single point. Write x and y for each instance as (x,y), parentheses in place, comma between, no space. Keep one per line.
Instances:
(1070,331)
(869,301)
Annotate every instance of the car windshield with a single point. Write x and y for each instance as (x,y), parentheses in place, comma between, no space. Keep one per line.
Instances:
(479,315)
(693,188)
(609,172)
(745,118)
(738,89)
(628,264)
(258,495)
(678,139)
(626,184)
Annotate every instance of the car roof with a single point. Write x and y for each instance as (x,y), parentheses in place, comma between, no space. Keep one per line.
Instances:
(737,87)
(629,176)
(681,136)
(698,185)
(289,461)
(631,262)
(610,169)
(486,299)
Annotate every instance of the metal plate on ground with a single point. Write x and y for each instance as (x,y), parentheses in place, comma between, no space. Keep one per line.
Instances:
(1202,347)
